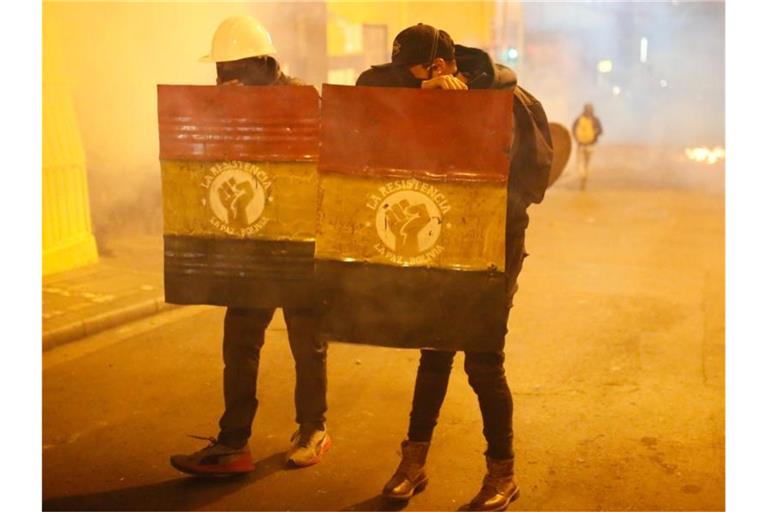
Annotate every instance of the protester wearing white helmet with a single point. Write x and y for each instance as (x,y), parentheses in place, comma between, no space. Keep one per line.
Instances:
(239,37)
(242,50)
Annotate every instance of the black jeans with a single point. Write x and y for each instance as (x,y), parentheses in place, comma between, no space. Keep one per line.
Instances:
(484,369)
(243,339)
(486,376)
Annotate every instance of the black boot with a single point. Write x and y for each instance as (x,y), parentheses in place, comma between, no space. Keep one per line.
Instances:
(409,478)
(499,487)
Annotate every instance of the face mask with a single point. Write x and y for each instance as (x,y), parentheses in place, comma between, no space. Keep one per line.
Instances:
(252,73)
(406,79)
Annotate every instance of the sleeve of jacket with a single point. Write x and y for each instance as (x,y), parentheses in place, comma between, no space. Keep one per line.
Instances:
(532,149)
(381,76)
(367,78)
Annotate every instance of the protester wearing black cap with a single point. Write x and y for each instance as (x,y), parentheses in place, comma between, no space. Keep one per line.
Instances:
(423,56)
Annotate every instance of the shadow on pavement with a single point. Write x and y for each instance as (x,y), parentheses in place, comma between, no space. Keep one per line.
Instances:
(378,503)
(186,493)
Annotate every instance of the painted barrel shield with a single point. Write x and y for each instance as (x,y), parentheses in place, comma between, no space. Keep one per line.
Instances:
(411,216)
(561,146)
(239,172)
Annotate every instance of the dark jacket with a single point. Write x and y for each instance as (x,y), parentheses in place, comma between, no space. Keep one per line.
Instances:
(267,72)
(281,78)
(532,147)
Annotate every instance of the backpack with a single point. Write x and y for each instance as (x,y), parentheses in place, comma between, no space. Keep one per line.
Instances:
(529,169)
(585,130)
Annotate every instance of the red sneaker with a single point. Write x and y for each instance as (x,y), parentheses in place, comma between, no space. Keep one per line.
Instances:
(216,459)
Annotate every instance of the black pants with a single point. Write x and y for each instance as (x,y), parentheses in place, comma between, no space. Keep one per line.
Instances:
(484,369)
(486,376)
(243,339)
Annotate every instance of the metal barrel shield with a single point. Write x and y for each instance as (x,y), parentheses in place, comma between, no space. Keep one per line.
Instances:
(411,216)
(239,173)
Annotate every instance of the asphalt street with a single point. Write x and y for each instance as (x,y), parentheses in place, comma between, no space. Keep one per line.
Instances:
(615,358)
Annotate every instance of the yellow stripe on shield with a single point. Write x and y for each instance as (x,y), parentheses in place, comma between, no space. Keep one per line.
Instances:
(409,222)
(236,199)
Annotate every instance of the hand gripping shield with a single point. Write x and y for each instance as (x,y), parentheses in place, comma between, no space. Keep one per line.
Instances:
(411,217)
(239,172)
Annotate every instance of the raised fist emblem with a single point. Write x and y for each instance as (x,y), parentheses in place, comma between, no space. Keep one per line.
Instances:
(236,196)
(405,221)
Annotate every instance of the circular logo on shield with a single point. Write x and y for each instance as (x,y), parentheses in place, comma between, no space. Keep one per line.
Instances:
(408,222)
(237,195)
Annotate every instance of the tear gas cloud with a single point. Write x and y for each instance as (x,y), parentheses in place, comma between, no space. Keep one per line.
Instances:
(665,85)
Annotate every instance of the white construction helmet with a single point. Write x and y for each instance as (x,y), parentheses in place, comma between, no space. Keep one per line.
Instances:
(239,37)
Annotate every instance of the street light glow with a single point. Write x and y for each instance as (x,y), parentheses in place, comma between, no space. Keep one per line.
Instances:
(605,66)
(512,54)
(704,154)
(616,90)
(644,49)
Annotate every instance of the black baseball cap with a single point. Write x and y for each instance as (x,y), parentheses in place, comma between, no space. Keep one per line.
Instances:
(421,44)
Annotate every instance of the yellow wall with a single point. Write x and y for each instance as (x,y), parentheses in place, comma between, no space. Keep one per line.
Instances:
(67,238)
(115,53)
(468,23)
(112,55)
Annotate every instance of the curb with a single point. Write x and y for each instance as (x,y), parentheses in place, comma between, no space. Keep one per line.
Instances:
(104,321)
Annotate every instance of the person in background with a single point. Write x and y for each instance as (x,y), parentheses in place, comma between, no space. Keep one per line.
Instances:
(586,130)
